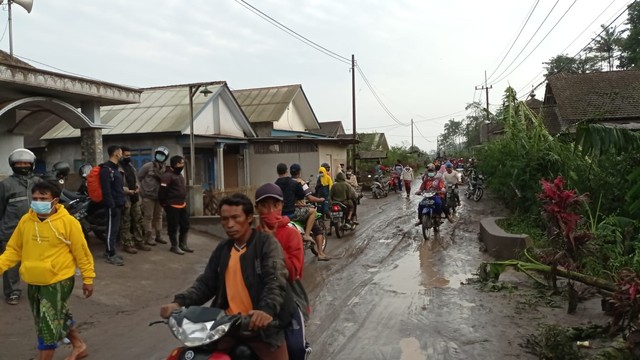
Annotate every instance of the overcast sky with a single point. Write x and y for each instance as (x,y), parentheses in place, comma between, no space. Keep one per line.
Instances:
(423,57)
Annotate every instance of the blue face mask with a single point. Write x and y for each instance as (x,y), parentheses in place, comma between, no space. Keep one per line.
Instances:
(160,158)
(41,207)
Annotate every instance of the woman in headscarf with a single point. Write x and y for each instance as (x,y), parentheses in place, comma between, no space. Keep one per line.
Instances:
(323,186)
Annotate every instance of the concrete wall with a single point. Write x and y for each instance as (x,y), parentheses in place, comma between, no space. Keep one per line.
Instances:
(8,143)
(263,166)
(334,155)
(500,244)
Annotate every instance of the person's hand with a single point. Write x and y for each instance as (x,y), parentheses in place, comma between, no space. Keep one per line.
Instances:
(259,319)
(321,199)
(168,309)
(87,290)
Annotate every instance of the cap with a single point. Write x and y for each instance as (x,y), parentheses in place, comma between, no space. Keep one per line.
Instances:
(294,168)
(269,190)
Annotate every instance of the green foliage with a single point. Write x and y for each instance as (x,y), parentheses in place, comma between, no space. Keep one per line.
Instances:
(630,56)
(525,224)
(552,342)
(568,64)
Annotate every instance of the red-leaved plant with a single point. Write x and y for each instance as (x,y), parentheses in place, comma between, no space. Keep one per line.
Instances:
(561,206)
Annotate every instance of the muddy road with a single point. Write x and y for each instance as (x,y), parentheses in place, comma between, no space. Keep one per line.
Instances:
(387,294)
(391,295)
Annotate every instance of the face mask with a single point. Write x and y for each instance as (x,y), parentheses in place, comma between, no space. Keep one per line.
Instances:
(431,174)
(178,170)
(126,160)
(41,207)
(160,158)
(270,220)
(24,171)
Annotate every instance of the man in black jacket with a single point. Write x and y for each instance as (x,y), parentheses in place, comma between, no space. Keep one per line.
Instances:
(113,201)
(173,198)
(245,274)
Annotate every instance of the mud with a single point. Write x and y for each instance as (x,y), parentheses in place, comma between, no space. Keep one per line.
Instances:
(387,294)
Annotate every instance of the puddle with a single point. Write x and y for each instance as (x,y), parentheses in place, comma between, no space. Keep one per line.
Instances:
(419,270)
(410,350)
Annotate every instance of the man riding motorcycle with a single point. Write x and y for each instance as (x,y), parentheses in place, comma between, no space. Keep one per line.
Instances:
(452,177)
(431,183)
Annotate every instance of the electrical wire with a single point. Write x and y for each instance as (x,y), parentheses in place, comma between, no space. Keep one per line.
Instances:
(588,44)
(420,132)
(536,47)
(572,42)
(516,39)
(375,95)
(529,41)
(293,33)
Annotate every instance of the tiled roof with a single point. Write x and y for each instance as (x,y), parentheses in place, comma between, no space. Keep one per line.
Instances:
(601,95)
(330,128)
(8,59)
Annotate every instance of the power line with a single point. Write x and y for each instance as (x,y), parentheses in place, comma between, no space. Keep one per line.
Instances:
(517,37)
(293,33)
(586,46)
(420,132)
(375,95)
(574,40)
(541,41)
(529,41)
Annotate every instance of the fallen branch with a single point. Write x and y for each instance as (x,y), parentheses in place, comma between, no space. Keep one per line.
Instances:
(492,270)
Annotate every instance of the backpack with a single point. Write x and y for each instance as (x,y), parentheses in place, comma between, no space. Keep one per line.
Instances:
(94,188)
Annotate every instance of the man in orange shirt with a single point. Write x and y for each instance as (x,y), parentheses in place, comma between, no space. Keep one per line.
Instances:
(260,292)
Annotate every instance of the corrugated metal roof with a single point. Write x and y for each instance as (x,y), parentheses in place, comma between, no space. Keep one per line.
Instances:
(266,104)
(162,109)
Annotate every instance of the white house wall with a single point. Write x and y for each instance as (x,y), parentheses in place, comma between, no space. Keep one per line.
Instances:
(334,155)
(290,120)
(228,123)
(204,120)
(8,143)
(263,166)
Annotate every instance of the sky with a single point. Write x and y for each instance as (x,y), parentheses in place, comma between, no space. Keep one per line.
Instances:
(422,58)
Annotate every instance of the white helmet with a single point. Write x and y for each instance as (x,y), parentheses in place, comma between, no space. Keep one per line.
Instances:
(22,155)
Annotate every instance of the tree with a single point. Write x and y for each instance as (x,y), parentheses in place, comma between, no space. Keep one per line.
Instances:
(607,44)
(571,65)
(630,54)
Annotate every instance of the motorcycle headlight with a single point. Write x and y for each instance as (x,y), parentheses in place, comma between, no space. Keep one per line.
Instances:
(197,334)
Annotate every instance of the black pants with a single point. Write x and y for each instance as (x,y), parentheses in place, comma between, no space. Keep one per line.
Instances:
(177,221)
(114,216)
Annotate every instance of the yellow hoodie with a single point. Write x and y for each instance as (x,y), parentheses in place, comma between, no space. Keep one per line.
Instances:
(325,179)
(49,250)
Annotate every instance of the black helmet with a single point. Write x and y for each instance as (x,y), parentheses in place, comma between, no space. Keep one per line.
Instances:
(326,166)
(61,169)
(161,153)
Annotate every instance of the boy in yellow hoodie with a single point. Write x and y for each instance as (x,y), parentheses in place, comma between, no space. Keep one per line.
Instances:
(50,244)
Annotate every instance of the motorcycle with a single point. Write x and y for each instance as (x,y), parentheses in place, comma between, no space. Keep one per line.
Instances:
(90,215)
(338,215)
(463,176)
(452,198)
(475,188)
(198,326)
(429,218)
(379,187)
(311,245)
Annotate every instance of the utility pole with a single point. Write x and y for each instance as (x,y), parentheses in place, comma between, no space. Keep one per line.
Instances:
(353,105)
(411,134)
(486,88)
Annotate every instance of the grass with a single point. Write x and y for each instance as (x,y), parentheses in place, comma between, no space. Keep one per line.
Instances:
(519,224)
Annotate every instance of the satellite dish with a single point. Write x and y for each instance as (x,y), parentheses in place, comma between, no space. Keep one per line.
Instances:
(25,4)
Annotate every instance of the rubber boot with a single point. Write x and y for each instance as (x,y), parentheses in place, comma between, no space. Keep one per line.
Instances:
(174,245)
(183,243)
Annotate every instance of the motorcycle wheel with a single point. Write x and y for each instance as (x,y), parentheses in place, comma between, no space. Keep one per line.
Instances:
(339,230)
(426,226)
(478,194)
(376,194)
(469,192)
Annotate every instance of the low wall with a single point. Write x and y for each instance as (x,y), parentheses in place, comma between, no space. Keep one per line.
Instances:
(500,244)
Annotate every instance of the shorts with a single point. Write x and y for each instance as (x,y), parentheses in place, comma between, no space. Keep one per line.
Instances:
(300,214)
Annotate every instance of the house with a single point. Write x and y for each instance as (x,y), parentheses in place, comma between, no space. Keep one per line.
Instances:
(373,146)
(288,132)
(331,129)
(32,101)
(163,117)
(609,98)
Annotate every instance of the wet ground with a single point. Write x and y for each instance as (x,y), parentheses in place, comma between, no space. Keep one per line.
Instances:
(387,294)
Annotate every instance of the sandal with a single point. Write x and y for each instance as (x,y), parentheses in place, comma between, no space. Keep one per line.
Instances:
(323,258)
(13,299)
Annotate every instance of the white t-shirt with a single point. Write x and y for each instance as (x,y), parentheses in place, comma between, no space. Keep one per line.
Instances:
(452,178)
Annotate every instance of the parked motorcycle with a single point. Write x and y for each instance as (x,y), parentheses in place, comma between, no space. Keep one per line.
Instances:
(379,187)
(91,216)
(338,215)
(429,219)
(311,245)
(475,189)
(198,326)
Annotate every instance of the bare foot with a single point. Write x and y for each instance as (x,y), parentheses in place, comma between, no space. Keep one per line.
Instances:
(79,352)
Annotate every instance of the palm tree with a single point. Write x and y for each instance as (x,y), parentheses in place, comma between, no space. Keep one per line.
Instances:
(607,44)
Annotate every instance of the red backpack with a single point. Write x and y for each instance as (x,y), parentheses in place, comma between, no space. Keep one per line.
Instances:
(94,188)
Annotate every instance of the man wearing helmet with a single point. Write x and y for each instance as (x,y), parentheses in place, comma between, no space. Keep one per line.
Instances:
(15,201)
(149,177)
(434,183)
